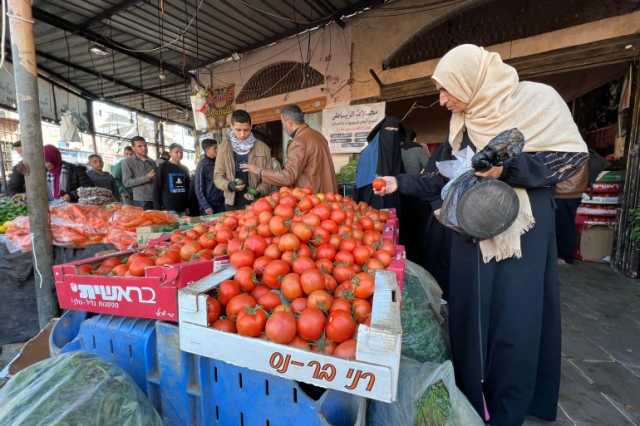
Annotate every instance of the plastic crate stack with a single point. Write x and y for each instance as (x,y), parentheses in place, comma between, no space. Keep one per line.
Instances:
(596,216)
(191,390)
(600,205)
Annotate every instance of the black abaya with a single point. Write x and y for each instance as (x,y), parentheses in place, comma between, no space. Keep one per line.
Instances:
(566,230)
(505,316)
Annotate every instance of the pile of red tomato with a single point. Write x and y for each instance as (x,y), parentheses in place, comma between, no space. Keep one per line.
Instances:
(304,268)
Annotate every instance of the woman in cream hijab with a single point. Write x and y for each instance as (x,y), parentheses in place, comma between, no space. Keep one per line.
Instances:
(504,299)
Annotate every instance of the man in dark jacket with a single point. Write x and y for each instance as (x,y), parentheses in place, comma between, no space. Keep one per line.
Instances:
(172,185)
(16,180)
(210,198)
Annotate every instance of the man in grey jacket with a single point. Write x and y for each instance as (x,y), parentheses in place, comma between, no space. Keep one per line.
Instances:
(138,174)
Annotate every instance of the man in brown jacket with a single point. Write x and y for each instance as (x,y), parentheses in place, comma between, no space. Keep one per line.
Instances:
(309,163)
(241,148)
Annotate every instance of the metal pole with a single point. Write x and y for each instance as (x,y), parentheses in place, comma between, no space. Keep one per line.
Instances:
(5,188)
(26,77)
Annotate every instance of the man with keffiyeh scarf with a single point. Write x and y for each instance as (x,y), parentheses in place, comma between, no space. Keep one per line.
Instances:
(241,147)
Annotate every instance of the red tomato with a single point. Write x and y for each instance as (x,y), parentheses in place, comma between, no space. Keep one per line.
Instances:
(191,234)
(220,250)
(383,257)
(345,258)
(200,228)
(227,290)
(213,310)
(120,270)
(374,265)
(273,251)
(299,343)
(260,291)
(223,235)
(289,242)
(379,184)
(338,216)
(281,327)
(274,272)
(111,262)
(137,267)
(285,212)
(343,273)
(348,245)
(303,231)
(260,264)
(330,283)
(257,244)
(310,324)
(289,201)
(361,255)
(320,236)
(238,303)
(340,304)
(298,305)
(225,325)
(330,226)
(305,251)
(290,286)
(246,278)
(324,265)
(189,249)
(361,310)
(269,301)
(311,280)
(322,211)
(340,327)
(177,237)
(346,349)
(311,220)
(371,238)
(264,217)
(242,258)
(264,230)
(203,254)
(262,205)
(277,225)
(305,205)
(363,285)
(251,322)
(302,264)
(344,290)
(320,299)
(230,222)
(234,245)
(326,251)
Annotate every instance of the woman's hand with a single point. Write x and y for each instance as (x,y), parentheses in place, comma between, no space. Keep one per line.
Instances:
(494,172)
(390,187)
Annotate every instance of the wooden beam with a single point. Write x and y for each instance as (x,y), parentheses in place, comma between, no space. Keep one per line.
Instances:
(86,33)
(589,55)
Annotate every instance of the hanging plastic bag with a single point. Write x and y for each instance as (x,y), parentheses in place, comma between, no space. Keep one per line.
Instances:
(423,333)
(427,396)
(74,389)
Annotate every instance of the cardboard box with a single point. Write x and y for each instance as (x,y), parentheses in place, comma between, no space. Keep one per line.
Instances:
(373,374)
(153,296)
(596,243)
(144,234)
(35,350)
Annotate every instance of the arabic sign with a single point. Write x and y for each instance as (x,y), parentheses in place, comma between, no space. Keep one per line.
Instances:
(346,128)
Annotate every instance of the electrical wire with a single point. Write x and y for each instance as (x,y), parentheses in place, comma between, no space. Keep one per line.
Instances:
(172,42)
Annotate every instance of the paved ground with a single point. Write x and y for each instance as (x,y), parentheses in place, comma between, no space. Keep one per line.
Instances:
(601,348)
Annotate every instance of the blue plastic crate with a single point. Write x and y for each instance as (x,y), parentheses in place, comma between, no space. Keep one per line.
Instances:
(191,390)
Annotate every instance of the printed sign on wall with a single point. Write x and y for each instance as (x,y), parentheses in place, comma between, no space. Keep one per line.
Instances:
(347,127)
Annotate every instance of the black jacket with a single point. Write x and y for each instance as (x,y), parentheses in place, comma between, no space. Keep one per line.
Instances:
(16,180)
(171,190)
(209,196)
(76,178)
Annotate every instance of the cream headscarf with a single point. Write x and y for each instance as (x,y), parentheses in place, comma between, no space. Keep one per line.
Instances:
(497,101)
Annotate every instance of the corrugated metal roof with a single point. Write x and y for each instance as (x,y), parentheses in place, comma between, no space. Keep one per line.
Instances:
(134,30)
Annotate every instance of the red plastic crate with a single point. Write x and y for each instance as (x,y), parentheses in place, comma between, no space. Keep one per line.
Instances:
(154,296)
